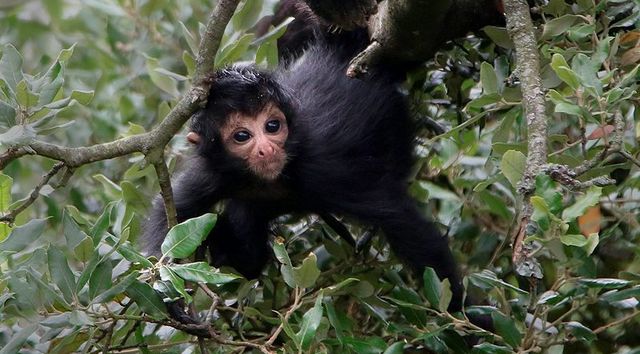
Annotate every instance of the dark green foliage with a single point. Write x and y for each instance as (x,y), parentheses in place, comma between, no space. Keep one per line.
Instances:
(72,279)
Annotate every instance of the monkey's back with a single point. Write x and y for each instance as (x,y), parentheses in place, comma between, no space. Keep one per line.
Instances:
(360,130)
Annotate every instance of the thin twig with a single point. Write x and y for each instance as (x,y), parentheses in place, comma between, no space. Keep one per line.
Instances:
(629,157)
(616,322)
(292,309)
(164,179)
(10,217)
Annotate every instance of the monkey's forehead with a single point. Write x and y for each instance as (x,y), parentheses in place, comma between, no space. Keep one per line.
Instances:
(237,118)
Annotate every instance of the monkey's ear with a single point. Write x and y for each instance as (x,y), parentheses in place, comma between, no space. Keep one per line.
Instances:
(193,138)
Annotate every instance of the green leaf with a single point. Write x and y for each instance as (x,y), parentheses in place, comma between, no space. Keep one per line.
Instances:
(561,68)
(24,96)
(275,32)
(45,293)
(431,287)
(65,54)
(117,289)
(484,100)
(234,50)
(23,235)
(88,270)
(147,299)
(201,272)
(101,225)
(365,345)
(59,104)
(133,196)
(339,320)
(101,278)
(340,287)
(568,108)
(61,274)
(395,348)
(53,83)
(589,199)
(283,257)
(574,240)
(17,340)
(620,295)
(267,53)
(84,250)
(109,187)
(5,230)
(495,204)
(488,78)
(546,188)
(580,331)
(512,165)
(310,323)
(592,242)
(558,26)
(7,115)
(189,62)
(604,283)
(488,280)
(83,97)
(163,82)
(11,66)
(506,328)
(107,7)
(18,135)
(178,284)
(499,36)
(183,239)
(5,192)
(134,256)
(307,273)
(188,36)
(72,231)
(246,15)
(549,297)
(489,348)
(445,295)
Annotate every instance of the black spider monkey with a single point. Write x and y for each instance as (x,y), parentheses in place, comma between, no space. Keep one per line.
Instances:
(304,138)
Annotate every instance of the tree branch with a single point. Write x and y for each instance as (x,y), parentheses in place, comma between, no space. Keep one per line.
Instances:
(153,142)
(164,179)
(10,217)
(520,28)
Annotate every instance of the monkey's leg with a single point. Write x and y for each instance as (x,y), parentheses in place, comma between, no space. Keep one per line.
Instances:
(415,240)
(240,239)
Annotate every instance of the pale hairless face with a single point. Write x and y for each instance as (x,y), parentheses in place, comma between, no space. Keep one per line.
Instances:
(258,140)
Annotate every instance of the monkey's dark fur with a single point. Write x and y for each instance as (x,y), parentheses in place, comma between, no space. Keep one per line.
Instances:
(350,153)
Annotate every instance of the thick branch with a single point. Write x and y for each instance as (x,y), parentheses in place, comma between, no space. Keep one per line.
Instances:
(212,37)
(521,30)
(160,135)
(404,37)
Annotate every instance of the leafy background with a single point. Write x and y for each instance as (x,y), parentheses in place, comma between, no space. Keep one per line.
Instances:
(82,72)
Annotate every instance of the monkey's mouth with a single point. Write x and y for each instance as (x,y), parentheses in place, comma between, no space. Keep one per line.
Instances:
(269,169)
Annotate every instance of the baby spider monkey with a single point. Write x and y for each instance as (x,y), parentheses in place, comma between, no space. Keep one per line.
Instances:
(304,138)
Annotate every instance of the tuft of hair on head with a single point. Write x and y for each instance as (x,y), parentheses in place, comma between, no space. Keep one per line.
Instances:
(245,89)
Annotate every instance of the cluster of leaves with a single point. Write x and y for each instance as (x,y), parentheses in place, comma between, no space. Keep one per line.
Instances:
(73,280)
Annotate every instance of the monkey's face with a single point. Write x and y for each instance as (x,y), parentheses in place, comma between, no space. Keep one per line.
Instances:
(258,141)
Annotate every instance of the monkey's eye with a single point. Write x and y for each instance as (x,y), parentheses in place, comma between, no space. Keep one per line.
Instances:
(272,126)
(241,136)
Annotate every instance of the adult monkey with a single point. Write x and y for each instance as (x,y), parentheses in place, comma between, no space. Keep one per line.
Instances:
(304,138)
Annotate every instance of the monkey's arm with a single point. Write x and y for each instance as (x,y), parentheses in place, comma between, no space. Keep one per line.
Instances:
(195,192)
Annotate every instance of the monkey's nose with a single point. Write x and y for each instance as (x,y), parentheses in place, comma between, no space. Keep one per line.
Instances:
(266,151)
